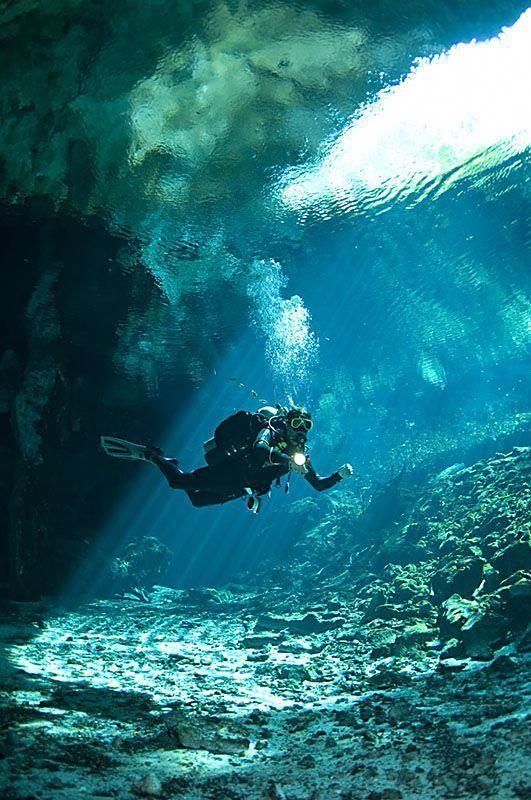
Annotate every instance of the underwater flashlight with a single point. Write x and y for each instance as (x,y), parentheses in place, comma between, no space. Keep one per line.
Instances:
(299,459)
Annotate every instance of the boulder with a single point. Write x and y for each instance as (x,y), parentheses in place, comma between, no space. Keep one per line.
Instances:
(389,611)
(491,578)
(459,577)
(515,591)
(524,642)
(303,625)
(517,586)
(503,664)
(480,626)
(417,633)
(517,556)
(258,641)
(150,786)
(383,641)
(206,733)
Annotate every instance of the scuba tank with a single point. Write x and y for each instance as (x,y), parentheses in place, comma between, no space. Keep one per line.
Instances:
(236,432)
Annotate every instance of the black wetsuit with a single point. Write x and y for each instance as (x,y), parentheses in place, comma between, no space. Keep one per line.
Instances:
(256,468)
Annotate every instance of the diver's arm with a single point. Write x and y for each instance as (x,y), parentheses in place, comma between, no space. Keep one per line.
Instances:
(318,483)
(272,456)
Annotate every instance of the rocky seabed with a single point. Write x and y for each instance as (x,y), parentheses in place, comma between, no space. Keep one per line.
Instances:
(378,668)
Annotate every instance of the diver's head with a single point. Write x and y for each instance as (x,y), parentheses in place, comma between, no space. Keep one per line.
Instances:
(298,424)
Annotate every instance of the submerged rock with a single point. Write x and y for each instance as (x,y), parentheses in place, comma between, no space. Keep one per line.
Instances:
(307,624)
(481,626)
(514,557)
(459,577)
(150,786)
(206,733)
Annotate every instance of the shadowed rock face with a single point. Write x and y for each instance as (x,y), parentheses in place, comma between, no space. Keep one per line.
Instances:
(61,383)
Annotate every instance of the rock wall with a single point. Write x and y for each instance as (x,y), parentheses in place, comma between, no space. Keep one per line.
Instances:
(63,383)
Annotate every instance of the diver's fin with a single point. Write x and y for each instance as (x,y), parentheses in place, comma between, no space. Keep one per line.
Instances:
(120,448)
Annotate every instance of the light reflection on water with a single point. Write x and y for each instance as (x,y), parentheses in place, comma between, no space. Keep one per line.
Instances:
(455,115)
(403,227)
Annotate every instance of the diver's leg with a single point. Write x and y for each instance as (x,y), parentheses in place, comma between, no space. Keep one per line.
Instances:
(169,469)
(201,499)
(212,480)
(176,478)
(218,479)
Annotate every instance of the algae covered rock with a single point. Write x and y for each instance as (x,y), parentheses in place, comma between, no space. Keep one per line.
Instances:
(418,633)
(515,593)
(142,563)
(459,586)
(308,624)
(207,733)
(457,577)
(516,556)
(480,625)
(382,639)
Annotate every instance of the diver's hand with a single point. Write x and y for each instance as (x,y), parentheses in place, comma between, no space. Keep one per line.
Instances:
(298,469)
(345,471)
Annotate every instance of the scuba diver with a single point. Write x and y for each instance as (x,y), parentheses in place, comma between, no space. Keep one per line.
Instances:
(248,452)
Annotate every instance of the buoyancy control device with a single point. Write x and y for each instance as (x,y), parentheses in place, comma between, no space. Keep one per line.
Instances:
(236,433)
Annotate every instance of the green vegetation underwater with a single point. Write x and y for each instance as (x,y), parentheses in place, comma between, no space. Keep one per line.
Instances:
(321,211)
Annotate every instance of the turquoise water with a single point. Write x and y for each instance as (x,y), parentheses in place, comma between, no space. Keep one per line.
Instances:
(325,203)
(386,264)
(208,206)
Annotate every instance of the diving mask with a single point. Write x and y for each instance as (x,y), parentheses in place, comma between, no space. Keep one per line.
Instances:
(301,423)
